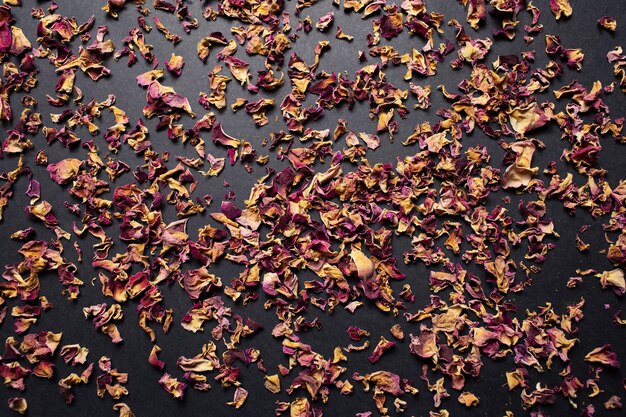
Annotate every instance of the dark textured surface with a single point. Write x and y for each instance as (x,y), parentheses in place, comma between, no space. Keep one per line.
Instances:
(146,397)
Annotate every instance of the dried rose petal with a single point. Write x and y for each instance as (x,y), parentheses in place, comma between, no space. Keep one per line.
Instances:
(603,355)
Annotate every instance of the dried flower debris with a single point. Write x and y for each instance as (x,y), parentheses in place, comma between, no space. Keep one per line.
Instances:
(317,234)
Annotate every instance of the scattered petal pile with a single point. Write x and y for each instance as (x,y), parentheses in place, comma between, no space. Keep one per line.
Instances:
(433,221)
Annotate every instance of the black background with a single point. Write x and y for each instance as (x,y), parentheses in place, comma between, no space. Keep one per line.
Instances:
(146,397)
